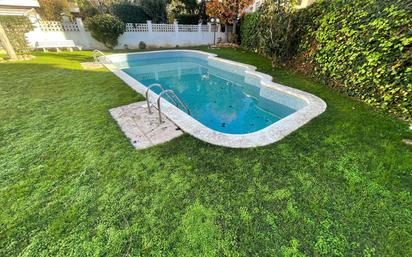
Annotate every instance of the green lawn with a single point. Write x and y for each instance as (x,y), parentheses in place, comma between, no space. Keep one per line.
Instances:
(72,185)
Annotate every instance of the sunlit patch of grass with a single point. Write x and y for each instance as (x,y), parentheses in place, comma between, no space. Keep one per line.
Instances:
(71,184)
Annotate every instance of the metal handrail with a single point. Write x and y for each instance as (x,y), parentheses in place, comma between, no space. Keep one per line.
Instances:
(95,52)
(170,92)
(147,95)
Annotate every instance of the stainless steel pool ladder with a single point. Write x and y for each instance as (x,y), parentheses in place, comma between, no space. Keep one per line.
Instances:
(147,95)
(172,95)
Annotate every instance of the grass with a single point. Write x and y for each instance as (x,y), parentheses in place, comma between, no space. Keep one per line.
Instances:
(72,185)
(3,54)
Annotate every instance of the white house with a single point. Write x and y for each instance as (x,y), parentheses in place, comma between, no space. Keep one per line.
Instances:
(18,7)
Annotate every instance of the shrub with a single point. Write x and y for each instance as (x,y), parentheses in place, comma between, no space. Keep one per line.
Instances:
(361,47)
(16,27)
(142,45)
(105,28)
(129,13)
(188,18)
(248,31)
(272,31)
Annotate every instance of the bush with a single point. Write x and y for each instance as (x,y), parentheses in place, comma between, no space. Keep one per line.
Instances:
(105,28)
(272,31)
(129,13)
(364,48)
(188,18)
(142,45)
(249,33)
(16,27)
(360,47)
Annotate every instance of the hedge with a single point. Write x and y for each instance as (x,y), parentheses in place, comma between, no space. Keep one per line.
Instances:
(360,47)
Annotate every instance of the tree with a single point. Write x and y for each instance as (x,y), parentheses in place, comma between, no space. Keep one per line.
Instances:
(5,43)
(155,9)
(89,8)
(227,10)
(191,6)
(185,11)
(129,13)
(202,11)
(52,9)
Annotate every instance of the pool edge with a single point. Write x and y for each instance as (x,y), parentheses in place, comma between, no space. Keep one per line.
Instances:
(268,135)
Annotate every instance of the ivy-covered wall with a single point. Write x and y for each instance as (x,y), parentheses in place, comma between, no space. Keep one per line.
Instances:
(16,27)
(360,47)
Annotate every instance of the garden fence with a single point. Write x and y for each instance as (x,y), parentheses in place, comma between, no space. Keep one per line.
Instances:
(152,34)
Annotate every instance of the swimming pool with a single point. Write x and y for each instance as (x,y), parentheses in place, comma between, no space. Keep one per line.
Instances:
(229,103)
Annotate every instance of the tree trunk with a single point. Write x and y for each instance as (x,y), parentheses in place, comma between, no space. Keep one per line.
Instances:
(6,44)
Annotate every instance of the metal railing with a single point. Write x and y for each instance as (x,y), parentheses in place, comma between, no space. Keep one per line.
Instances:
(95,57)
(170,93)
(147,95)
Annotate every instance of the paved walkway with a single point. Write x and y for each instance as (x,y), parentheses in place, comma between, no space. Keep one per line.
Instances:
(143,129)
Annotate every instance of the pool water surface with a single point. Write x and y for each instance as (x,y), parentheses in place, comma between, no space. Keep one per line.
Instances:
(221,101)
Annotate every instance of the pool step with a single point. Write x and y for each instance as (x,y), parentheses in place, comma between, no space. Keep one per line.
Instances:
(143,128)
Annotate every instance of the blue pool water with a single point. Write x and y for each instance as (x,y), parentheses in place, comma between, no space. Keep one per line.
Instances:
(218,98)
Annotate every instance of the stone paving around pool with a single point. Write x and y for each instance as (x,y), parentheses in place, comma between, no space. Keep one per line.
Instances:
(143,129)
(91,65)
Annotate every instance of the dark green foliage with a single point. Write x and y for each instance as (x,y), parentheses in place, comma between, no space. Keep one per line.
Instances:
(191,6)
(273,31)
(187,18)
(202,12)
(361,47)
(156,10)
(16,27)
(249,31)
(129,13)
(142,45)
(72,185)
(365,48)
(105,28)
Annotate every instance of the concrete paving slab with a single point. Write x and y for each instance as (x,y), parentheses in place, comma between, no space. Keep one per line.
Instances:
(91,65)
(143,129)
